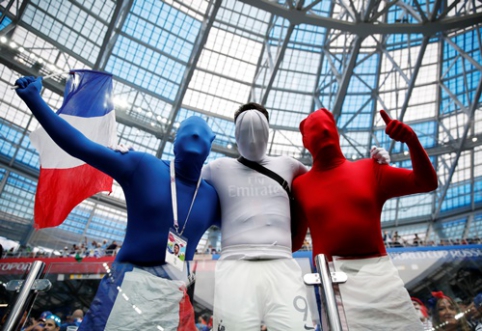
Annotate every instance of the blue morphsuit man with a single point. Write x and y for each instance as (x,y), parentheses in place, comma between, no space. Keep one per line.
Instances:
(142,291)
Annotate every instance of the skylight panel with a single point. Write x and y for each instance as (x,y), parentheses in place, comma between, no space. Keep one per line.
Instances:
(452,127)
(17,197)
(227,66)
(478,121)
(211,102)
(478,160)
(85,33)
(288,101)
(232,45)
(243,16)
(463,170)
(414,206)
(285,142)
(219,86)
(389,211)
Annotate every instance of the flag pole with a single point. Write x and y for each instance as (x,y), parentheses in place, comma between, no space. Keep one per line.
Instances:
(45,77)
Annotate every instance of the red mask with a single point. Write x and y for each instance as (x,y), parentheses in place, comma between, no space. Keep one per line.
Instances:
(320,137)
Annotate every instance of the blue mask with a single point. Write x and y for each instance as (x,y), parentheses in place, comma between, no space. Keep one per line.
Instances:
(192,146)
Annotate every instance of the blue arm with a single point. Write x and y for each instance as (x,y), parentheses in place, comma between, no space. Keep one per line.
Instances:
(67,137)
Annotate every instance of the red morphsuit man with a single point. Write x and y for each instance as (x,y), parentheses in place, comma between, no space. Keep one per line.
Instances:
(341,202)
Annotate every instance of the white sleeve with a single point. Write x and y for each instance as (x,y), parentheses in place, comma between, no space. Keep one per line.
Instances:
(206,173)
(300,169)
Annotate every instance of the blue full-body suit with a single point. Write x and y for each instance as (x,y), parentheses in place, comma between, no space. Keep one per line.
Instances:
(145,181)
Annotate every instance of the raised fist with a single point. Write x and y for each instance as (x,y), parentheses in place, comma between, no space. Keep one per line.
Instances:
(28,85)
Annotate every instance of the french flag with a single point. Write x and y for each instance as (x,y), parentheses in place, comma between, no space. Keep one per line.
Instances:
(65,181)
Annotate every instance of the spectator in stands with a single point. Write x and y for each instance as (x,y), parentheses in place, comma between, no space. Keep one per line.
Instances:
(110,250)
(145,181)
(444,314)
(98,251)
(37,324)
(65,251)
(416,240)
(396,240)
(472,309)
(209,250)
(422,313)
(104,245)
(75,319)
(476,316)
(89,248)
(74,250)
(202,324)
(445,242)
(52,323)
(386,238)
(82,249)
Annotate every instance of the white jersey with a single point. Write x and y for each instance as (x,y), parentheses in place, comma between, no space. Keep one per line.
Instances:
(255,208)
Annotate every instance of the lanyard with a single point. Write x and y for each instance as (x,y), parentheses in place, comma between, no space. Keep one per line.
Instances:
(174,198)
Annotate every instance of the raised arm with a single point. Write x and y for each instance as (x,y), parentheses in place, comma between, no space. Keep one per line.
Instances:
(423,177)
(67,137)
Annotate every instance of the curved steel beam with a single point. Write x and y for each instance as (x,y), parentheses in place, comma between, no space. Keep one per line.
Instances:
(364,29)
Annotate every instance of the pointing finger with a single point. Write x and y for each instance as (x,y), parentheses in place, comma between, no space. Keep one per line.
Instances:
(386,118)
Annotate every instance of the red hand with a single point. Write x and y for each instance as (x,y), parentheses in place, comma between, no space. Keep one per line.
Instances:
(397,130)
(386,118)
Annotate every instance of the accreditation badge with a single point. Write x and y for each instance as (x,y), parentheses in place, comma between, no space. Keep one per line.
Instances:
(176,249)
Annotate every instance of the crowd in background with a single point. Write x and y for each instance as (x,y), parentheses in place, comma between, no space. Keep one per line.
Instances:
(83,249)
(395,240)
(442,312)
(48,321)
(105,248)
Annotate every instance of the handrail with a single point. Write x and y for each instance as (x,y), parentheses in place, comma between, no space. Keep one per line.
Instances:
(43,254)
(22,299)
(327,293)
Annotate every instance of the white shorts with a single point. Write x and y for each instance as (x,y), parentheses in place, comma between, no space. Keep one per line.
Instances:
(160,304)
(249,293)
(374,297)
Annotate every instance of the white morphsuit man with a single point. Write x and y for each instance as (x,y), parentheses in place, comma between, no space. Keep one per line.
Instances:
(257,280)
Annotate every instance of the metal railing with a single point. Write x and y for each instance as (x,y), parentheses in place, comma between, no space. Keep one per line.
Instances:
(26,296)
(325,280)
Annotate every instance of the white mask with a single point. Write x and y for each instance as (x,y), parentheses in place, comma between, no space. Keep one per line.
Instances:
(252,133)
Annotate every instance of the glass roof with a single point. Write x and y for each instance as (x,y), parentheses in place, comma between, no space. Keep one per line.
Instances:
(418,60)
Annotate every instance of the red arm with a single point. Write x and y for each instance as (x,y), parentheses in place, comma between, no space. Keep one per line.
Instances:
(299,226)
(423,177)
